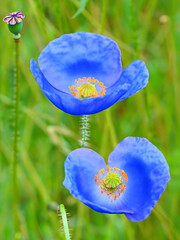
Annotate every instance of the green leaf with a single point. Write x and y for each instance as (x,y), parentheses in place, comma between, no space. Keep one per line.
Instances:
(81,8)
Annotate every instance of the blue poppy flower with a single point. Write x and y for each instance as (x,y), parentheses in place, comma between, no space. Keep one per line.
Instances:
(131,184)
(81,73)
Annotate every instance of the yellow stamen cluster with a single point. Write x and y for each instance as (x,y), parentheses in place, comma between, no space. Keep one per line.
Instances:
(112,184)
(87,87)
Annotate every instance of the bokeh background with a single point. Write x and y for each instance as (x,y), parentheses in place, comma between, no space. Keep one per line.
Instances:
(144,29)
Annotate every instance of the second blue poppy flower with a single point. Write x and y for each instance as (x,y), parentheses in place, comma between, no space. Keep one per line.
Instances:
(131,184)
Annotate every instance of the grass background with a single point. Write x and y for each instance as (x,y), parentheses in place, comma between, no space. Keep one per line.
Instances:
(149,30)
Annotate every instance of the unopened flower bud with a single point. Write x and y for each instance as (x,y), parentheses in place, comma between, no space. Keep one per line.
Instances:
(15,23)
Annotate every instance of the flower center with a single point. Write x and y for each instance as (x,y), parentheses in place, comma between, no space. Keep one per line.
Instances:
(112,182)
(87,90)
(87,87)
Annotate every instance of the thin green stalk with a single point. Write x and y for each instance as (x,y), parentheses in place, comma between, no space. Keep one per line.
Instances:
(110,125)
(165,225)
(134,29)
(80,220)
(64,221)
(15,139)
(103,16)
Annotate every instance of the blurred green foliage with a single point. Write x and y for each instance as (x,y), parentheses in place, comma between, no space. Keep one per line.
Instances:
(149,29)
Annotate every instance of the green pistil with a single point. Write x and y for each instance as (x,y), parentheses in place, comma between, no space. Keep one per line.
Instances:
(87,90)
(112,180)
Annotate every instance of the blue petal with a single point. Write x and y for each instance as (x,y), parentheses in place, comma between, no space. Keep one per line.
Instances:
(81,166)
(78,55)
(73,105)
(136,75)
(147,171)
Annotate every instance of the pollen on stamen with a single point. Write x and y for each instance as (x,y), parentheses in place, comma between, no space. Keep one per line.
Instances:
(111,182)
(87,87)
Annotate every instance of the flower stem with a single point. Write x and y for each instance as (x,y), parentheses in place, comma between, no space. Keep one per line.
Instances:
(15,139)
(84,130)
(64,221)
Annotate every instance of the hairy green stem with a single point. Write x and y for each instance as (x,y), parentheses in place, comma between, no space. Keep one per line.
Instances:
(64,221)
(84,130)
(15,138)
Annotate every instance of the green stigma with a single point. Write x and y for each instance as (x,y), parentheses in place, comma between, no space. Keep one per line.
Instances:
(112,180)
(87,90)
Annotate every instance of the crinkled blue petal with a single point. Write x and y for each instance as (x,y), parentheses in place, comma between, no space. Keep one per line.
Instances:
(147,171)
(81,166)
(73,105)
(135,75)
(79,55)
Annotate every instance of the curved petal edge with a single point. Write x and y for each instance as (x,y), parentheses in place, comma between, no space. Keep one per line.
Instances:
(136,75)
